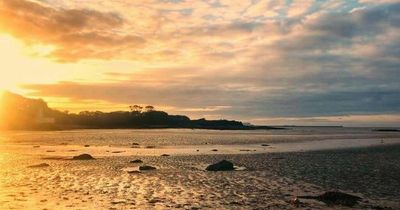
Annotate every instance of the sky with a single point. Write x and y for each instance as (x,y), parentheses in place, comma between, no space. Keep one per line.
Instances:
(294,62)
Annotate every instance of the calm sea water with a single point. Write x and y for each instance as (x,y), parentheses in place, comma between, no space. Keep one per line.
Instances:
(124,137)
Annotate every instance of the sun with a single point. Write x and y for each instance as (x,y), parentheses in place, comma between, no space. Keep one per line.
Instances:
(24,64)
(13,61)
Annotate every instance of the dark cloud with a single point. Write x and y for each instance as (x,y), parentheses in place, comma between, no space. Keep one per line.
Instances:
(341,30)
(362,22)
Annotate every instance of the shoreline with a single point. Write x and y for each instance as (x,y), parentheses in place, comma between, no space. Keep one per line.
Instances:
(208,149)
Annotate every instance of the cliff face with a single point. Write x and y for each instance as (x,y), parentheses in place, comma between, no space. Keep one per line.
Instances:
(18,112)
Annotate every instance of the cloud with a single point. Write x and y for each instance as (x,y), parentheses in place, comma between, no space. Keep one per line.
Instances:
(75,33)
(299,7)
(361,22)
(260,59)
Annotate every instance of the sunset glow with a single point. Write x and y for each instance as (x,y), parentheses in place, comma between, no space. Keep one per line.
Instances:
(259,61)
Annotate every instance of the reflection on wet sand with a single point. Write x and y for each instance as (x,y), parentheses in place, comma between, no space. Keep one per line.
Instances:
(268,178)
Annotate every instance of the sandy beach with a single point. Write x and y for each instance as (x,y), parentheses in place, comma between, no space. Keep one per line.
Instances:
(268,175)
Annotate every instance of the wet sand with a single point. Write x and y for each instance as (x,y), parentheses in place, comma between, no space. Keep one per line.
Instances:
(66,150)
(268,178)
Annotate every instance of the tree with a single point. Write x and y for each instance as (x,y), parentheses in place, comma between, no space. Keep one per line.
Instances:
(136,108)
(149,108)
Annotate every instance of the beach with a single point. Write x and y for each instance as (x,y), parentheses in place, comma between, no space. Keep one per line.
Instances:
(272,168)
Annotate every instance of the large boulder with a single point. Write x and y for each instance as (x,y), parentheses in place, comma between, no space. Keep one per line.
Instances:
(83,157)
(223,165)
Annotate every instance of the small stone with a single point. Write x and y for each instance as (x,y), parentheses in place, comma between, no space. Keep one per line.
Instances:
(118,201)
(295,202)
(146,168)
(136,161)
(42,165)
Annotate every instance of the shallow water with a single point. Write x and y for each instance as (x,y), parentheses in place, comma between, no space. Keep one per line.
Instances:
(164,137)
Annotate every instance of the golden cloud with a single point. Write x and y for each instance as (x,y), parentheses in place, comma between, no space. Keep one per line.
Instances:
(75,33)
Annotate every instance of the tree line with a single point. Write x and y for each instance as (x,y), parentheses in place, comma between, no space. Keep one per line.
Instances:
(18,112)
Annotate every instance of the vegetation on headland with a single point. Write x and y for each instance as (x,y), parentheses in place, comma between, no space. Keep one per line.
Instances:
(20,113)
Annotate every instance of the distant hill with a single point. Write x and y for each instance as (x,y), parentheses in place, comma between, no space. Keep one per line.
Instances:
(18,112)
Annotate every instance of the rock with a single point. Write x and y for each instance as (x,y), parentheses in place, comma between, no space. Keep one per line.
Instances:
(116,152)
(118,201)
(50,151)
(37,146)
(214,150)
(83,157)
(265,145)
(136,161)
(223,165)
(150,147)
(155,200)
(42,165)
(335,198)
(135,145)
(165,155)
(146,168)
(295,202)
(86,145)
